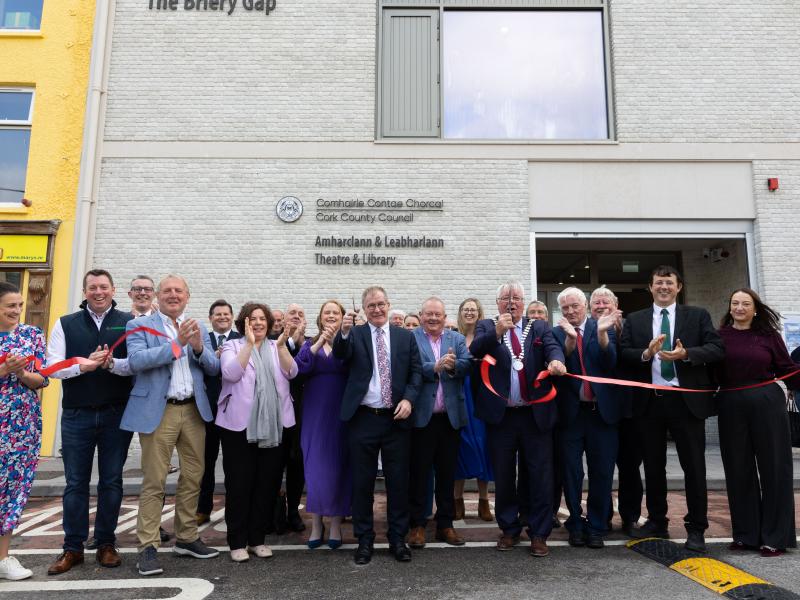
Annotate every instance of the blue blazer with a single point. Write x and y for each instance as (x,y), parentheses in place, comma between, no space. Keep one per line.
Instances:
(150,358)
(598,362)
(356,351)
(540,348)
(452,385)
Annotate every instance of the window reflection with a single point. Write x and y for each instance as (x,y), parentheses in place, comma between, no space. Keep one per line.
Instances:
(524,75)
(20,14)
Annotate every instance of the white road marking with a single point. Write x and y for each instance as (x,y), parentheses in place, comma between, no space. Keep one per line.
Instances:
(190,588)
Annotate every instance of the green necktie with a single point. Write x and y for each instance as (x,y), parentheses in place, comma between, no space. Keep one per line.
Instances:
(667,367)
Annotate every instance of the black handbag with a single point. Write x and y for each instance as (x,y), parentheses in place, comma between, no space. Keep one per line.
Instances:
(794,418)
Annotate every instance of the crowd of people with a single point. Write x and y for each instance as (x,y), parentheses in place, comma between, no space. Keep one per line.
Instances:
(409,394)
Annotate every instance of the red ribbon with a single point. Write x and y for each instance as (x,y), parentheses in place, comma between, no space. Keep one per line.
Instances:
(491,361)
(80,360)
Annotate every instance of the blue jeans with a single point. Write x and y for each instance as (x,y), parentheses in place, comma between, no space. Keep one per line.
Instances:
(83,430)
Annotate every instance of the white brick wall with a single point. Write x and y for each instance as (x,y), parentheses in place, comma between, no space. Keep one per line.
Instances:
(214,222)
(710,70)
(305,72)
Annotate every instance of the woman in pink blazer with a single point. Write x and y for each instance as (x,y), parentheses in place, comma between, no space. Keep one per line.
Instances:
(254,407)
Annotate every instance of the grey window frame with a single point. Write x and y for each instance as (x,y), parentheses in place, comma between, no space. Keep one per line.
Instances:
(410,6)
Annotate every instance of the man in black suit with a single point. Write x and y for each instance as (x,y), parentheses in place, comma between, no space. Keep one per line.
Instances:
(672,345)
(522,348)
(220,315)
(383,384)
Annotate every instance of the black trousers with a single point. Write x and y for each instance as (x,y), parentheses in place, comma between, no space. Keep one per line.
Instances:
(252,481)
(293,465)
(629,461)
(668,412)
(518,435)
(435,445)
(756,451)
(205,502)
(370,433)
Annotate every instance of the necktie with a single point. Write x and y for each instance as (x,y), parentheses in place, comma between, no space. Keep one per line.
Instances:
(667,367)
(384,372)
(587,389)
(220,340)
(515,345)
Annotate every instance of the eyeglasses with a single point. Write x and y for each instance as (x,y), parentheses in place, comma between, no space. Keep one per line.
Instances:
(510,299)
(378,306)
(139,290)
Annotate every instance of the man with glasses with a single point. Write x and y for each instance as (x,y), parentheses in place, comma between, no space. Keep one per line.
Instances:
(385,375)
(521,348)
(141,294)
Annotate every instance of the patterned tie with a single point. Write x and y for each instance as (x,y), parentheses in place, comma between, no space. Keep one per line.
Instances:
(515,345)
(587,389)
(667,367)
(384,372)
(220,340)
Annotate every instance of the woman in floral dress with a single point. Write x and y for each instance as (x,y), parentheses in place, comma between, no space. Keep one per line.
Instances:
(20,420)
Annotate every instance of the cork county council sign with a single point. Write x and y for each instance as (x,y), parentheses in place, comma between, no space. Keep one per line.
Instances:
(226,6)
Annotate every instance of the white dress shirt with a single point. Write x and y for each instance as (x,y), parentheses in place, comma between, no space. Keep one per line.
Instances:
(373,395)
(181,385)
(655,367)
(57,351)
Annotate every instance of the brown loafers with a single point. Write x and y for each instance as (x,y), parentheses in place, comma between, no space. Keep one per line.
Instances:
(539,547)
(507,542)
(484,512)
(107,556)
(416,537)
(65,561)
(448,535)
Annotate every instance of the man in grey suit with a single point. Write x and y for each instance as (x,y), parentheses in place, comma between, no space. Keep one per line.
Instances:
(439,414)
(168,406)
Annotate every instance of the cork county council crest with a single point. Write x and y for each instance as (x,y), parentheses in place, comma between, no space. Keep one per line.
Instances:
(289,209)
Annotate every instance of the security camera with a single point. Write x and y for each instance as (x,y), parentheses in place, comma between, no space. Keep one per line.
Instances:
(706,252)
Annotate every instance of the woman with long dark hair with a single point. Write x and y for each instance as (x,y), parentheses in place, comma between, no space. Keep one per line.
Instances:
(754,428)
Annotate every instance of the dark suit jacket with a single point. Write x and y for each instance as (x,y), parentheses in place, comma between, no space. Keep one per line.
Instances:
(540,348)
(356,350)
(214,382)
(452,384)
(697,334)
(598,362)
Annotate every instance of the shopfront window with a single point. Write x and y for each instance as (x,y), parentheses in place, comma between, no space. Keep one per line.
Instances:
(16,108)
(21,14)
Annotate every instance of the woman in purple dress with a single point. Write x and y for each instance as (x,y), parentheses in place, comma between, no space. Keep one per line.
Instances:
(322,437)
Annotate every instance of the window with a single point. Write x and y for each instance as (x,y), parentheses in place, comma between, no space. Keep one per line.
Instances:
(16,108)
(505,74)
(21,14)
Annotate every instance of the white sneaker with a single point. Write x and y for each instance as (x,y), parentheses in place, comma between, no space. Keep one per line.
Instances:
(239,555)
(261,551)
(11,569)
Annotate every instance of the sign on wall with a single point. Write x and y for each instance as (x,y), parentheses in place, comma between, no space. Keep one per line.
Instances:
(23,248)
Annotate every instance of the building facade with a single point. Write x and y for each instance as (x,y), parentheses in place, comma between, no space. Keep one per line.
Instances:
(45,49)
(444,146)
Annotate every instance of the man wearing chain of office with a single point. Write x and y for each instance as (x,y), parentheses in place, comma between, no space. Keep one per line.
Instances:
(515,423)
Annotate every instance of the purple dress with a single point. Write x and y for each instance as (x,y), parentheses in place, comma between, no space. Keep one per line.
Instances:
(323,434)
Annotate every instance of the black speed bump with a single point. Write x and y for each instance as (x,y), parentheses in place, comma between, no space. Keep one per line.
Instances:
(711,573)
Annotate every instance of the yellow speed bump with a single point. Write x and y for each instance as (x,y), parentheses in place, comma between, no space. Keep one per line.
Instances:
(713,574)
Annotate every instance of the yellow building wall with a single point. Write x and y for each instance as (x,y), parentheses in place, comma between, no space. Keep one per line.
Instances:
(55,61)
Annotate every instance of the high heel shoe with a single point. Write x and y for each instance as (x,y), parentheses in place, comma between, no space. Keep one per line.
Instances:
(312,544)
(333,544)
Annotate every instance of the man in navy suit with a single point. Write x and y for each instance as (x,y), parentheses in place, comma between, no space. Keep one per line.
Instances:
(588,416)
(522,348)
(672,344)
(439,414)
(382,387)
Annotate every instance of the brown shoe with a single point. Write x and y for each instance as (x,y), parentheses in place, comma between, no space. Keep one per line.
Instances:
(484,512)
(458,513)
(202,518)
(539,547)
(507,542)
(448,535)
(108,556)
(416,537)
(67,560)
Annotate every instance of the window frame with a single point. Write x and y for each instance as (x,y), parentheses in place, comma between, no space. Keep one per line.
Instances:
(489,5)
(19,125)
(13,30)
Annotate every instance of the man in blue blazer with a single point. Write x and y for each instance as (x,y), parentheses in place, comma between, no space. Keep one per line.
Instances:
(522,348)
(439,414)
(382,387)
(168,406)
(588,416)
